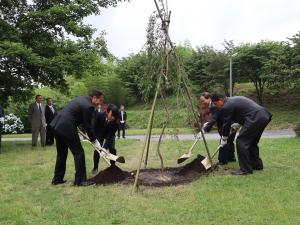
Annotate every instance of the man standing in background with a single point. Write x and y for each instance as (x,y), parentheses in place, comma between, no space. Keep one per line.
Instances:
(36,114)
(1,123)
(50,113)
(122,124)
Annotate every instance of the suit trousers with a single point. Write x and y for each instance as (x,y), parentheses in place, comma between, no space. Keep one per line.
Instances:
(226,153)
(62,145)
(49,135)
(0,136)
(121,127)
(35,133)
(247,143)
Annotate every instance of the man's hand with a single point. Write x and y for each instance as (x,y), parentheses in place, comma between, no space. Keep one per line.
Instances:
(96,144)
(224,141)
(235,127)
(1,119)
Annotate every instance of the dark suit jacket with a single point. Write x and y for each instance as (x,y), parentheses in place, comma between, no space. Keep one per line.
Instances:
(1,115)
(1,111)
(124,116)
(244,111)
(215,117)
(104,129)
(80,111)
(49,115)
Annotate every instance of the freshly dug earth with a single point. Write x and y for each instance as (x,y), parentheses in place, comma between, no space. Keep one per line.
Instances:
(110,175)
(153,177)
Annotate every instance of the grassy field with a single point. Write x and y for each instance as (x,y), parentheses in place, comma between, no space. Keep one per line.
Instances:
(268,197)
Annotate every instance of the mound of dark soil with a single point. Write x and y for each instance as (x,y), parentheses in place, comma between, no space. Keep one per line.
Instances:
(153,177)
(110,175)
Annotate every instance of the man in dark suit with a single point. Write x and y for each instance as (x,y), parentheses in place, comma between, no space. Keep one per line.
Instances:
(226,153)
(1,123)
(122,124)
(80,111)
(50,113)
(253,118)
(106,125)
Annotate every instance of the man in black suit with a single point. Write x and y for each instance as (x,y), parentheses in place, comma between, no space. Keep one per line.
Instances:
(122,124)
(1,123)
(78,112)
(106,125)
(253,118)
(226,153)
(50,113)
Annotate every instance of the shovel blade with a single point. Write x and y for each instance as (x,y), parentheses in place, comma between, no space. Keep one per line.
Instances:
(206,163)
(183,158)
(115,158)
(120,159)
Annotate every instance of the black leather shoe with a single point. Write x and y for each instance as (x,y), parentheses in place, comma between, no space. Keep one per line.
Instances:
(85,183)
(56,182)
(258,168)
(241,172)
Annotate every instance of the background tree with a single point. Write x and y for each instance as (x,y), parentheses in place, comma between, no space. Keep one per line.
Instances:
(36,46)
(207,69)
(260,64)
(294,60)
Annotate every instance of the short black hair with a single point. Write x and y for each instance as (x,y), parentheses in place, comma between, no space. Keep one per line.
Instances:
(96,93)
(47,99)
(217,97)
(206,95)
(114,109)
(37,96)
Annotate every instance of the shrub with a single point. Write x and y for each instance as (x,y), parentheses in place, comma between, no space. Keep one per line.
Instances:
(12,124)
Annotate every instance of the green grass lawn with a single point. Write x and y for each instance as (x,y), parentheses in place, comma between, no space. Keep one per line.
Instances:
(268,197)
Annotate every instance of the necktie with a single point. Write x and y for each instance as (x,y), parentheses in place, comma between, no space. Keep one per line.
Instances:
(40,109)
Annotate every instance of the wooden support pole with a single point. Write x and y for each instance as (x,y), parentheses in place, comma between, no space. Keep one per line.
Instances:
(149,127)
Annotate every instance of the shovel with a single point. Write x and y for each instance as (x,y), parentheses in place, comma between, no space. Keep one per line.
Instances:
(106,155)
(206,163)
(187,155)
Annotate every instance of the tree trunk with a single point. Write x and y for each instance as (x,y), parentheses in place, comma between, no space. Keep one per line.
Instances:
(259,87)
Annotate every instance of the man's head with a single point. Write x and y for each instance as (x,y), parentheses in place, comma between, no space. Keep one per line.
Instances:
(38,98)
(49,101)
(205,98)
(97,97)
(218,100)
(112,113)
(122,108)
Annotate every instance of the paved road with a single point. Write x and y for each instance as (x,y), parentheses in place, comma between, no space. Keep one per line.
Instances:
(211,136)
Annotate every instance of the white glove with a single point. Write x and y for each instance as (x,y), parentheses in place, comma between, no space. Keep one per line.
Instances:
(96,145)
(1,119)
(235,126)
(199,135)
(224,141)
(205,125)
